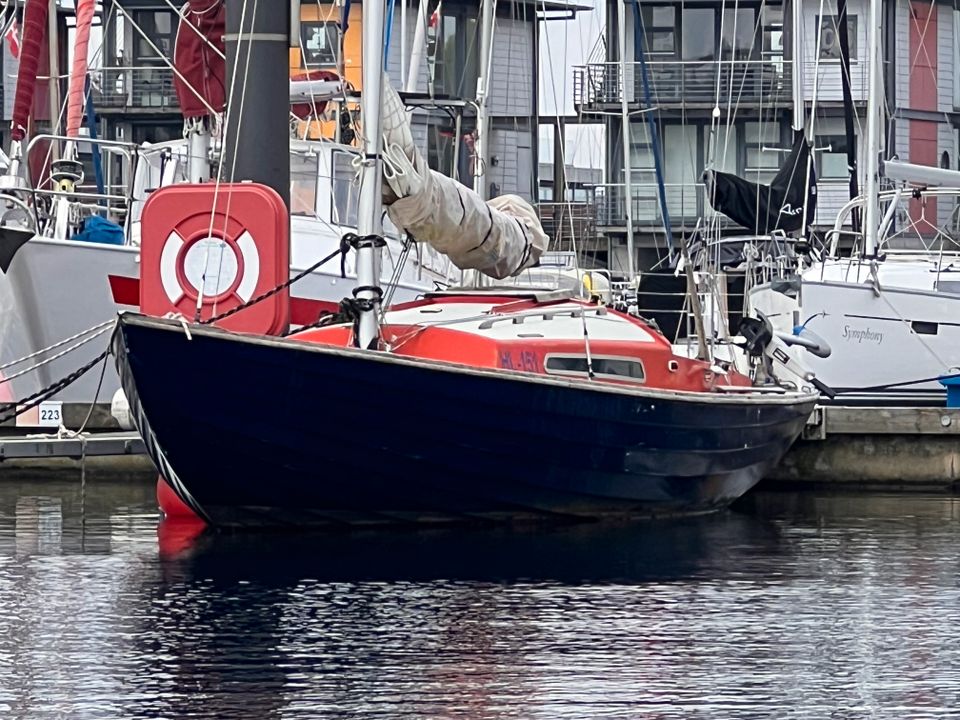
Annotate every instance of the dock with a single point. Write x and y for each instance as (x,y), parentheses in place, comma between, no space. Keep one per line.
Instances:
(876,448)
(99,454)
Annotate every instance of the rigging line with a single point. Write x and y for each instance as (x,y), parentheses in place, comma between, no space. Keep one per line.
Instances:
(560,138)
(55,345)
(236,152)
(57,356)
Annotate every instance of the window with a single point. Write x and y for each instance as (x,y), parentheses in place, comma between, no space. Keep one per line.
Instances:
(762,142)
(737,34)
(697,36)
(160,27)
(453,49)
(832,157)
(830,39)
(345,190)
(659,28)
(320,41)
(303,184)
(771,18)
(606,367)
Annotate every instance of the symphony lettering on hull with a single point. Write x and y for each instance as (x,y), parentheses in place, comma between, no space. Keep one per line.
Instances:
(861,335)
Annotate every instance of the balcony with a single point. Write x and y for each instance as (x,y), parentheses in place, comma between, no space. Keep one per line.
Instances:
(687,204)
(686,82)
(569,225)
(135,89)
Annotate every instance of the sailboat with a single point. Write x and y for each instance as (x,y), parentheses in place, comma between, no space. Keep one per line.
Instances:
(467,405)
(888,314)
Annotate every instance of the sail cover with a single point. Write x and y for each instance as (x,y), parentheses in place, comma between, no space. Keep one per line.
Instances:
(202,67)
(34,30)
(500,238)
(762,209)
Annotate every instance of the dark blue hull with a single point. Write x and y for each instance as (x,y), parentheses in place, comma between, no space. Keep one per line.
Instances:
(253,431)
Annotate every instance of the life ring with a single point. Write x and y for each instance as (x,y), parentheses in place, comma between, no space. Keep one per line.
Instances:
(196,256)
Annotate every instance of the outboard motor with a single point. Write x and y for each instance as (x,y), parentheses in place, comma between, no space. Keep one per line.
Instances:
(770,349)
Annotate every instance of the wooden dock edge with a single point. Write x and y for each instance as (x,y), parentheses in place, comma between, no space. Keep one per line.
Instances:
(876,448)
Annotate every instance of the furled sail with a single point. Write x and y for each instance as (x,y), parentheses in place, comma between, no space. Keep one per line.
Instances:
(34,30)
(500,238)
(76,100)
(762,209)
(197,59)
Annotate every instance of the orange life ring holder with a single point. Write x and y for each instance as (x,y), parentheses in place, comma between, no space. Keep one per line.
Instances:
(188,244)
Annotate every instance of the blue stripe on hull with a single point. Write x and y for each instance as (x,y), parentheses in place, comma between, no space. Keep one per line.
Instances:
(264,434)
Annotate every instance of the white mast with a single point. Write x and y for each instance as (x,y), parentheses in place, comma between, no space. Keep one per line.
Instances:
(625,125)
(796,40)
(419,47)
(871,221)
(369,217)
(483,93)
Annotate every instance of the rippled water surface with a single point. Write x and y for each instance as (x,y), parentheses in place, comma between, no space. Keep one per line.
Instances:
(791,606)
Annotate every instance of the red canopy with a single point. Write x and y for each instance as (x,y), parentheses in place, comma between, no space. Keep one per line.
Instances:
(204,70)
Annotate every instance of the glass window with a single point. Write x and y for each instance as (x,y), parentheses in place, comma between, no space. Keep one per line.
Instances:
(320,41)
(659,28)
(346,191)
(453,51)
(157,25)
(830,40)
(771,18)
(737,34)
(832,156)
(303,184)
(623,368)
(697,39)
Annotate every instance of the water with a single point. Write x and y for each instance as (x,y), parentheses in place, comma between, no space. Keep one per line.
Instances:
(801,606)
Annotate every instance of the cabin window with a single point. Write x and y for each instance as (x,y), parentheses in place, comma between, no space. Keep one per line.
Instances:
(344,208)
(605,367)
(303,184)
(830,39)
(319,42)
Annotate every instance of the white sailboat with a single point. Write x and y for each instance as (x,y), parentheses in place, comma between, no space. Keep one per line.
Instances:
(888,310)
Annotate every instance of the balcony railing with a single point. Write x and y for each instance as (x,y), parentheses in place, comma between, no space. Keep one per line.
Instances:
(569,225)
(141,88)
(687,203)
(685,81)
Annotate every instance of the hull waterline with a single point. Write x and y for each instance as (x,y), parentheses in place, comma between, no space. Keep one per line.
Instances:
(257,431)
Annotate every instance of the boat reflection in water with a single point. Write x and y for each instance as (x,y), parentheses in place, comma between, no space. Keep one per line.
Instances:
(829,606)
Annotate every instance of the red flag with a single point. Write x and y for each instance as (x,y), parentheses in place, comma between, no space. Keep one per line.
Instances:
(13,39)
(434,20)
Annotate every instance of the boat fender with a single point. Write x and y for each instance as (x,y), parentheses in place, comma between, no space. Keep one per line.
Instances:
(120,410)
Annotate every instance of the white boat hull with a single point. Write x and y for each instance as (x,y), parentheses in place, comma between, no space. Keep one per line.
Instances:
(887,345)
